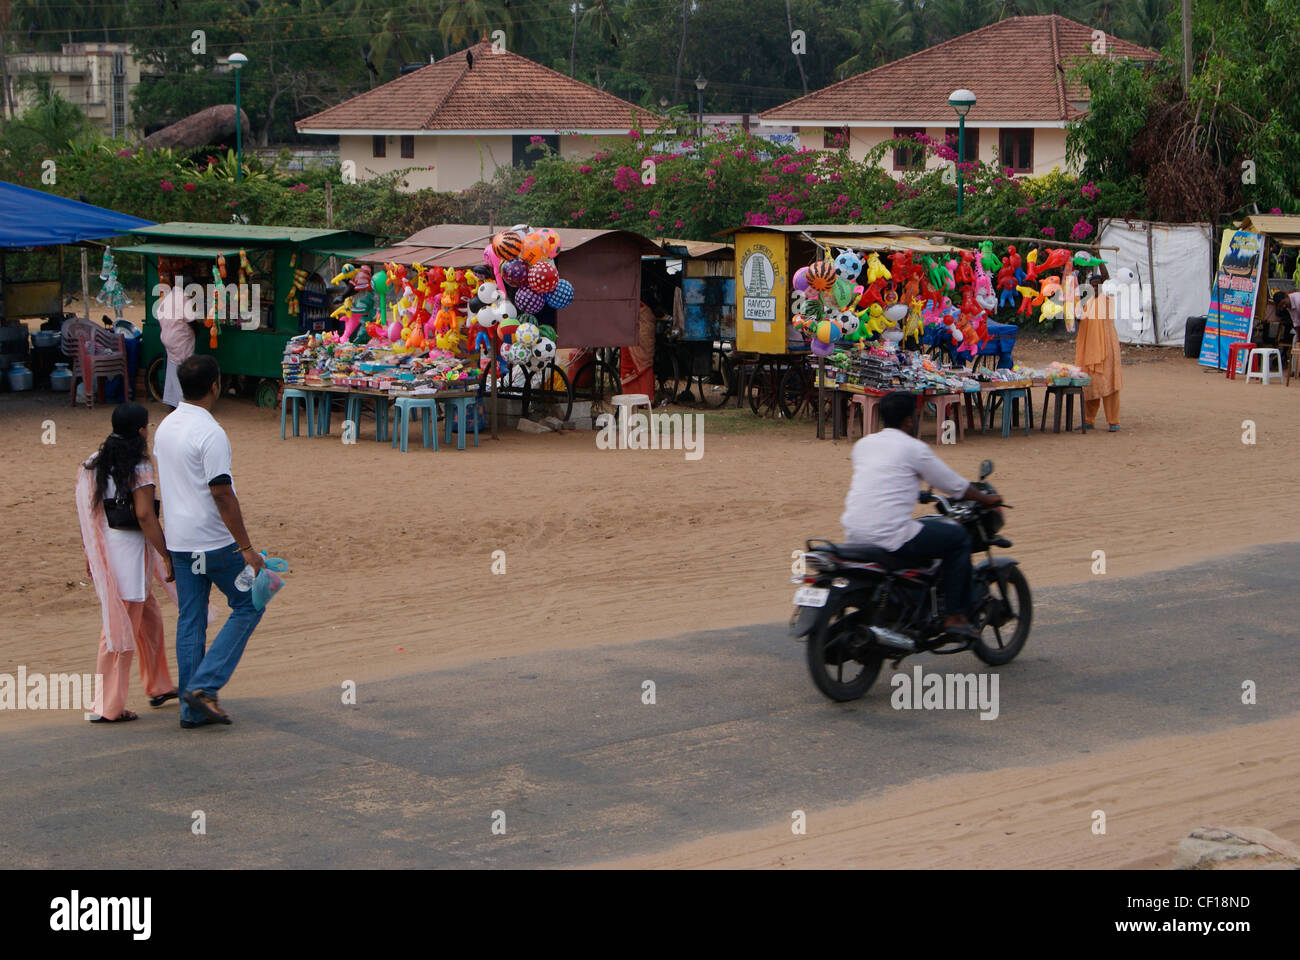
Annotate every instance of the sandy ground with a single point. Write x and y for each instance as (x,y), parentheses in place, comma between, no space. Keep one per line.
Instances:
(1152,794)
(392,554)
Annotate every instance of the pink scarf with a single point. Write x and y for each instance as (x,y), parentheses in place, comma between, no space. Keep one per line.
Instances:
(118,632)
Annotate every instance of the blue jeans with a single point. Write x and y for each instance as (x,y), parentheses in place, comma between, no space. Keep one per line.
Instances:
(941,538)
(198,667)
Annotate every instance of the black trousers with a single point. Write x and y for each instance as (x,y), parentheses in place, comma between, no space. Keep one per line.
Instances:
(946,540)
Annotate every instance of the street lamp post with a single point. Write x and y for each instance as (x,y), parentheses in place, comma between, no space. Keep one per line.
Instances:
(700,84)
(237,61)
(961,101)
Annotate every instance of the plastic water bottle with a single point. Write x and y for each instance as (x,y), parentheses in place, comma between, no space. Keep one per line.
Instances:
(244,582)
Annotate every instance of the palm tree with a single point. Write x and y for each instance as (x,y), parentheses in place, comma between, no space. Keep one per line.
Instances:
(1145,22)
(468,20)
(881,36)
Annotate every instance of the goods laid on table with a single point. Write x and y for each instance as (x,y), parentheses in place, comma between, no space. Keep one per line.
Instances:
(420,319)
(852,298)
(317,361)
(880,371)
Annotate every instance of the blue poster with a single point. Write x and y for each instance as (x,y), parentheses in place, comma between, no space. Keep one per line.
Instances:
(1232,301)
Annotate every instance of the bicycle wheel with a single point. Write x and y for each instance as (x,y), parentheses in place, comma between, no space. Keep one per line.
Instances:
(548,393)
(668,379)
(716,387)
(793,391)
(156,378)
(764,396)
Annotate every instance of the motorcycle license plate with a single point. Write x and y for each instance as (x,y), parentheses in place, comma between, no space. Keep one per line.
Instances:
(811,596)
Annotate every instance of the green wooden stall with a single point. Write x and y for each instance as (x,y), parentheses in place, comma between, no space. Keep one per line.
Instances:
(251,357)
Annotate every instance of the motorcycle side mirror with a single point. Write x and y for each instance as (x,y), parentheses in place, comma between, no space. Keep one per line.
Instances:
(986,468)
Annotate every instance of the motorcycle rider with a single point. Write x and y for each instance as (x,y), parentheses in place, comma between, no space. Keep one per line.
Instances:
(887,469)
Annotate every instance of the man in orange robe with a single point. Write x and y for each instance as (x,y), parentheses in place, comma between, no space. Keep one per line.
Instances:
(1097,352)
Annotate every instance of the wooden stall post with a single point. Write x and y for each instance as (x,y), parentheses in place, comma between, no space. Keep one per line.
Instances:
(85,284)
(494,371)
(821,398)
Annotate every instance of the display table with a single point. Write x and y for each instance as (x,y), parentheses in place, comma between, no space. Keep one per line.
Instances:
(384,400)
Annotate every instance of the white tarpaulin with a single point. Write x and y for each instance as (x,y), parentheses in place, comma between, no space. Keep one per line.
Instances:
(1173,268)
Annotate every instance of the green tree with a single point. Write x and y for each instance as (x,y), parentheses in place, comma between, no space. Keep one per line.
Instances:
(880,37)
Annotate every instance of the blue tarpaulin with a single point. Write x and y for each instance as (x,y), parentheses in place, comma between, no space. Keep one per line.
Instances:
(32,218)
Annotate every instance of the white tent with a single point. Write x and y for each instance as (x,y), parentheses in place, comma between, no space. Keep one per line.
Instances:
(1174,264)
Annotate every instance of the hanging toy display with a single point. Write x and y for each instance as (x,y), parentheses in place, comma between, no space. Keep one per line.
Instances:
(112,293)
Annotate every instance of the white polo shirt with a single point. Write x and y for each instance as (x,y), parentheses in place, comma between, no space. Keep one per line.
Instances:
(191,449)
(888,468)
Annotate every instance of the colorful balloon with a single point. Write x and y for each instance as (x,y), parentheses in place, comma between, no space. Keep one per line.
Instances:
(550,242)
(515,272)
(800,279)
(543,277)
(508,244)
(534,249)
(561,296)
(821,275)
(529,301)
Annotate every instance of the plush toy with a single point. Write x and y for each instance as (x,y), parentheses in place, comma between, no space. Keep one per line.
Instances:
(963,273)
(939,278)
(984,294)
(1084,260)
(1013,260)
(1007,285)
(914,323)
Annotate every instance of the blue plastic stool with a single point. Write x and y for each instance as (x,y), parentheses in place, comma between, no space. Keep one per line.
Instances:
(353,413)
(1007,400)
(324,400)
(428,410)
(292,396)
(465,410)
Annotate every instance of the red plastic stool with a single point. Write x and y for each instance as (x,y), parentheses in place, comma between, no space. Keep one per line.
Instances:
(1233,351)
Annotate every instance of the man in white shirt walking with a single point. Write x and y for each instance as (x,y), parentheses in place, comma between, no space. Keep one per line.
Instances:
(888,468)
(205,535)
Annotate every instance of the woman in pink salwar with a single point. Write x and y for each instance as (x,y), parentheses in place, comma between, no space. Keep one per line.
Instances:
(125,552)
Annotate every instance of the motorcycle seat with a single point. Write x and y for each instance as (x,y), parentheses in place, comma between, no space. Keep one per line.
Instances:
(867,553)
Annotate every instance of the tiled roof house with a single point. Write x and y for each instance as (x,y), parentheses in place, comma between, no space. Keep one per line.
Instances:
(468,114)
(1017,68)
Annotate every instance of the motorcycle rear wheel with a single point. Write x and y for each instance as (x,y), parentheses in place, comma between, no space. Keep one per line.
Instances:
(996,644)
(836,671)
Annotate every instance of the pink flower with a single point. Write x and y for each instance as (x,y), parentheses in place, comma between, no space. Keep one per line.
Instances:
(634,134)
(1021,211)
(1089,190)
(624,178)
(756,219)
(811,178)
(296,188)
(678,225)
(1049,232)
(166,185)
(793,216)
(887,205)
(1276,211)
(790,168)
(124,153)
(526,185)
(584,169)
(1008,172)
(1081,230)
(654,214)
(629,205)
(189,187)
(855,213)
(535,140)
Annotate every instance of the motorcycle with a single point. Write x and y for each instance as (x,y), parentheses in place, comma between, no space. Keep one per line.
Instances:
(858,606)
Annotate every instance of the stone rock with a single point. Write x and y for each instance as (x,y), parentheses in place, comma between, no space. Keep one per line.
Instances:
(529,426)
(555,423)
(1235,848)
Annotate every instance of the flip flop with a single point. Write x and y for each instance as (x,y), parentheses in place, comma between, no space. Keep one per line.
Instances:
(162,698)
(126,716)
(1114,428)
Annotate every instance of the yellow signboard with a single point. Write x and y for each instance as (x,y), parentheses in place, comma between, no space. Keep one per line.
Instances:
(762,292)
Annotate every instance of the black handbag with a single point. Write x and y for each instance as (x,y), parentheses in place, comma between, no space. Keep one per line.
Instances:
(120,513)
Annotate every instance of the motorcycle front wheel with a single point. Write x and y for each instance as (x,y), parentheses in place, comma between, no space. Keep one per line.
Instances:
(838,659)
(1005,618)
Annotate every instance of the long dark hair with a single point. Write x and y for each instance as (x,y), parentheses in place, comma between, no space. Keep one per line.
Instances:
(122,451)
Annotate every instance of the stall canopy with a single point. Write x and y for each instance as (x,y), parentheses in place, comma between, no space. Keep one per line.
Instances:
(1174,264)
(604,267)
(232,236)
(32,218)
(1281,229)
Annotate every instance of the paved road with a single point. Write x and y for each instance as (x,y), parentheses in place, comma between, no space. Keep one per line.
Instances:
(584,771)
